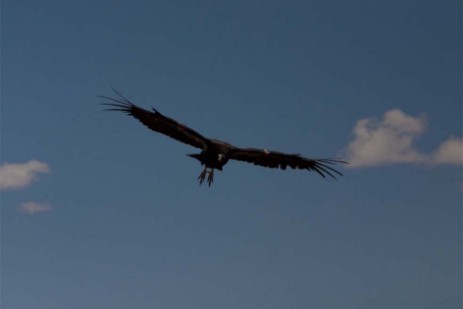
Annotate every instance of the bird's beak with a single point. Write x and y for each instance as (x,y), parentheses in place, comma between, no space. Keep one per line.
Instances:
(197,156)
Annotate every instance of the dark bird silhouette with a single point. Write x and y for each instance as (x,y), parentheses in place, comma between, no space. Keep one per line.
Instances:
(215,153)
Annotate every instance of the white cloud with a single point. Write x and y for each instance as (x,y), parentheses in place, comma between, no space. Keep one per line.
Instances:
(19,175)
(391,140)
(31,208)
(449,152)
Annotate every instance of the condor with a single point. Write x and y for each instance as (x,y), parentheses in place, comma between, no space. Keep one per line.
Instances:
(215,153)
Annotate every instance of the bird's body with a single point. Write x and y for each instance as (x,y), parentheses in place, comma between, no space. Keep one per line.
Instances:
(215,153)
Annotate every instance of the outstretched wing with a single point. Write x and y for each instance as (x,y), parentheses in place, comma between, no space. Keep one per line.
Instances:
(157,122)
(274,159)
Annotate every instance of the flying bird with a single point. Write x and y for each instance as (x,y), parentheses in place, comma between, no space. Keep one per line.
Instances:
(216,153)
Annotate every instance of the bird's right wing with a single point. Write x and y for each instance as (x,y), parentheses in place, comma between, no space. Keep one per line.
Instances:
(157,122)
(275,159)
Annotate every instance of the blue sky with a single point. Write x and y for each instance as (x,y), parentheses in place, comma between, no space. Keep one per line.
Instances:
(99,212)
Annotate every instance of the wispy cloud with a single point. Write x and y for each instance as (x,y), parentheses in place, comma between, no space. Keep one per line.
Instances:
(32,208)
(19,175)
(391,140)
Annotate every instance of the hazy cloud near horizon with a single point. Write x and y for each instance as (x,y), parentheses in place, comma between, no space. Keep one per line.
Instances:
(19,175)
(391,140)
(32,208)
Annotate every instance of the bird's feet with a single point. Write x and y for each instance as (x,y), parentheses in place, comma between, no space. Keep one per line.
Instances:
(210,177)
(202,176)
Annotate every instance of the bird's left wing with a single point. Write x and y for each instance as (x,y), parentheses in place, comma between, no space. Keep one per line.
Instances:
(275,159)
(157,122)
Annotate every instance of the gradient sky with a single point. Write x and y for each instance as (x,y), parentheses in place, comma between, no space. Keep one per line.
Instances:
(99,212)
